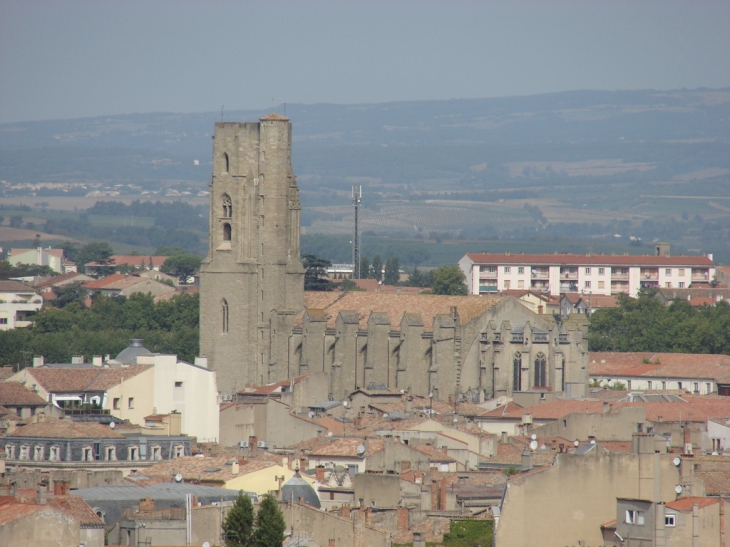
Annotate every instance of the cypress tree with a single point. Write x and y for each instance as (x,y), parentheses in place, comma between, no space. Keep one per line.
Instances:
(238,528)
(270,524)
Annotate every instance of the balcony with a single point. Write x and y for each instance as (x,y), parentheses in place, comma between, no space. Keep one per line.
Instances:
(540,274)
(488,288)
(620,275)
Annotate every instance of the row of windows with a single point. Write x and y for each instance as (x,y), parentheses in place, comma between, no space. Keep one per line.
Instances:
(637,518)
(117,403)
(681,272)
(88,454)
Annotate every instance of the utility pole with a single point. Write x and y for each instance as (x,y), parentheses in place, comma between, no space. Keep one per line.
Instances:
(356,200)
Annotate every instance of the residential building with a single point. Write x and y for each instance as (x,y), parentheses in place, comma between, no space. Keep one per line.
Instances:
(696,296)
(17,303)
(39,525)
(590,273)
(134,385)
(53,258)
(699,374)
(22,401)
(136,261)
(125,285)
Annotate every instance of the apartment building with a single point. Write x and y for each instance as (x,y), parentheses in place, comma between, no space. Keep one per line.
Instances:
(588,274)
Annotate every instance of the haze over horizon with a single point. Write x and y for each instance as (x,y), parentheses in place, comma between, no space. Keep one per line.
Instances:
(83,59)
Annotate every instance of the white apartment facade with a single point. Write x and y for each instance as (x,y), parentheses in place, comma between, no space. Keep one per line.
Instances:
(588,274)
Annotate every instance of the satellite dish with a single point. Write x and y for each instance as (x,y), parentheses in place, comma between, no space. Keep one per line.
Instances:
(178,477)
(533,445)
(456,420)
(344,403)
(361,449)
(676,461)
(678,489)
(112,425)
(206,544)
(329,433)
(576,443)
(533,437)
(385,415)
(311,414)
(593,441)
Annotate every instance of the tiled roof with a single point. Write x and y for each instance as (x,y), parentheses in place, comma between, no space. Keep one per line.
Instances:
(8,285)
(434,455)
(61,279)
(685,504)
(14,393)
(616,446)
(62,429)
(660,365)
(347,447)
(554,410)
(14,511)
(273,117)
(216,468)
(717,483)
(60,379)
(510,410)
(590,260)
(510,454)
(395,306)
(77,507)
(6,372)
(104,281)
(132,260)
(124,283)
(273,388)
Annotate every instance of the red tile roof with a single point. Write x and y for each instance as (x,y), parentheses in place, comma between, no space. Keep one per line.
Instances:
(8,285)
(660,365)
(685,504)
(347,447)
(273,117)
(395,306)
(60,380)
(434,455)
(14,511)
(63,429)
(14,394)
(717,483)
(510,410)
(590,260)
(104,281)
(77,507)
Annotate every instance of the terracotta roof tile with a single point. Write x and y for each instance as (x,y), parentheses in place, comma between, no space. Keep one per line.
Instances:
(685,504)
(347,447)
(395,306)
(63,429)
(717,483)
(273,117)
(510,454)
(214,469)
(60,379)
(77,507)
(6,372)
(103,282)
(667,365)
(510,410)
(14,393)
(434,455)
(592,260)
(15,286)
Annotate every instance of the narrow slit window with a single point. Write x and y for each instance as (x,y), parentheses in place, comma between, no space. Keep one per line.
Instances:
(226,232)
(226,162)
(224,308)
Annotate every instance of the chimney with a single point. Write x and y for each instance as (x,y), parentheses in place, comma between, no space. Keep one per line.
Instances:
(201,362)
(442,495)
(606,407)
(345,513)
(302,463)
(235,468)
(146,505)
(331,543)
(505,438)
(77,360)
(319,473)
(362,503)
(252,440)
(418,540)
(409,404)
(402,519)
(369,516)
(96,360)
(526,460)
(357,422)
(39,361)
(42,495)
(61,488)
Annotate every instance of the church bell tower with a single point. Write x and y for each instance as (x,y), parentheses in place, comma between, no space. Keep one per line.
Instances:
(253,265)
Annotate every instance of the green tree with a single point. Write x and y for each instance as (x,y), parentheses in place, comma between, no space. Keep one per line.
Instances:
(99,252)
(67,294)
(181,266)
(392,271)
(315,273)
(364,268)
(376,271)
(449,280)
(238,526)
(270,524)
(16,221)
(70,250)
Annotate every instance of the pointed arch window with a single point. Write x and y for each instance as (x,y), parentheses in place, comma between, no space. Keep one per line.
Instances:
(517,372)
(227,206)
(540,370)
(226,162)
(224,310)
(226,232)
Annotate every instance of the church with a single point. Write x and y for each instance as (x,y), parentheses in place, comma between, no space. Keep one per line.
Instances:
(258,325)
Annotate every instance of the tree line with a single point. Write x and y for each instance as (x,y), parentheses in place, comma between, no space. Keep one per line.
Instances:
(646,324)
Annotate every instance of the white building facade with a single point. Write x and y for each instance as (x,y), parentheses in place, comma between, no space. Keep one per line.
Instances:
(17,303)
(588,274)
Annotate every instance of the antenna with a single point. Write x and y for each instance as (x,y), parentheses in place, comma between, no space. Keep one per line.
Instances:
(356,201)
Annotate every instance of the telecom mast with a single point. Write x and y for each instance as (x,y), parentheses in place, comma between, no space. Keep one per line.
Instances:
(356,200)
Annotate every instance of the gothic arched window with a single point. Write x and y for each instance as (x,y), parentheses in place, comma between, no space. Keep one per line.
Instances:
(540,370)
(227,206)
(226,162)
(226,232)
(224,310)
(517,372)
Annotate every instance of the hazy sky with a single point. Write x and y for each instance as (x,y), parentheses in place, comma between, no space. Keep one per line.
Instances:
(71,58)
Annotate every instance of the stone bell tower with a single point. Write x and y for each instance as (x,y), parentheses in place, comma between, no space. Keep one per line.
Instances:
(253,265)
